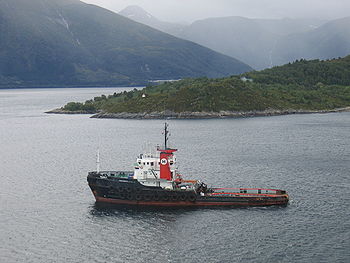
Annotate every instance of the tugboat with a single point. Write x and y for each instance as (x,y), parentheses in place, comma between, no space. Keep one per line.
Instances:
(156,181)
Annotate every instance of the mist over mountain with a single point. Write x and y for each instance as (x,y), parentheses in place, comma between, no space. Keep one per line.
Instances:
(331,40)
(262,43)
(67,42)
(250,40)
(243,37)
(138,14)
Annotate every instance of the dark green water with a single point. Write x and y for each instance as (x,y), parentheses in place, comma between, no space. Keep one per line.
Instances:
(48,214)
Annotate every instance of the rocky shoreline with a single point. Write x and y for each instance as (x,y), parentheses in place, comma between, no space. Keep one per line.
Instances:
(196,115)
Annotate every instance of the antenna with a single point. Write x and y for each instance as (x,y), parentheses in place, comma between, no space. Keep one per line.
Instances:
(98,161)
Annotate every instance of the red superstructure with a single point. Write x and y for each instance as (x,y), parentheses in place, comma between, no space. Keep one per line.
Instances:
(165,158)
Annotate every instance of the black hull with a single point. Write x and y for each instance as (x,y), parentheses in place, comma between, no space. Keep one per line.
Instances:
(131,192)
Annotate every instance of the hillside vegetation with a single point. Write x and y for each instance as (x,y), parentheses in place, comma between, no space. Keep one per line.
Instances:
(307,85)
(306,73)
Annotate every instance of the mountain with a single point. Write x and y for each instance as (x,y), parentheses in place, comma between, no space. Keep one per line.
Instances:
(68,42)
(265,43)
(138,14)
(261,43)
(239,36)
(330,40)
(250,40)
(287,26)
(295,87)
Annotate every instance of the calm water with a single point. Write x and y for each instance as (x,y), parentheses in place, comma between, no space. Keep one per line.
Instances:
(48,214)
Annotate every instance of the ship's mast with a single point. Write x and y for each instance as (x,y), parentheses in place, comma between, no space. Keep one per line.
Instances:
(166,135)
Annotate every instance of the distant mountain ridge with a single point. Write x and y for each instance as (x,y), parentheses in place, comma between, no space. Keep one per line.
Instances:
(68,42)
(250,40)
(331,40)
(262,43)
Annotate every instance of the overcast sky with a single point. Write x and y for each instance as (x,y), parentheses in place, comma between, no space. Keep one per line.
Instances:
(190,10)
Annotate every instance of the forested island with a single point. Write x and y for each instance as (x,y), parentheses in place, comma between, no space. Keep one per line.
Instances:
(299,87)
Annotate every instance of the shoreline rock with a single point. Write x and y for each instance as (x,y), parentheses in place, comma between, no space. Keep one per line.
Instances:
(209,115)
(195,115)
